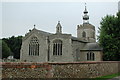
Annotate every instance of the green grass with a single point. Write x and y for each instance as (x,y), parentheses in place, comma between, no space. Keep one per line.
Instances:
(106,77)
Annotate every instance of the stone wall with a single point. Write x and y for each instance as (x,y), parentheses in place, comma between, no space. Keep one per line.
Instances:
(59,70)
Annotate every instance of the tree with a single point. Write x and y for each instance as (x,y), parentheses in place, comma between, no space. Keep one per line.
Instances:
(109,37)
(15,45)
(5,50)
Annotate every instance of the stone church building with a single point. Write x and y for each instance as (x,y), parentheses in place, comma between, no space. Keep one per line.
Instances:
(40,46)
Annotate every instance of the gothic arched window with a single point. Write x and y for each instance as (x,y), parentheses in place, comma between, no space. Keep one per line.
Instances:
(57,47)
(90,56)
(87,56)
(84,34)
(34,47)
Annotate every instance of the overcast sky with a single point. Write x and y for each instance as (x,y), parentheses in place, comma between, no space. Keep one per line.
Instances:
(19,17)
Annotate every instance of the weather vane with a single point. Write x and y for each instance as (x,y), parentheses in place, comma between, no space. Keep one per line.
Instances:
(85,5)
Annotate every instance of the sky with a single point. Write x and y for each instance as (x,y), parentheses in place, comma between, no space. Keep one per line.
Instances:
(18,17)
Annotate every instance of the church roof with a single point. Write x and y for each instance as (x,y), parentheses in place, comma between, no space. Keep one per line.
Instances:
(76,39)
(92,46)
(42,32)
(36,31)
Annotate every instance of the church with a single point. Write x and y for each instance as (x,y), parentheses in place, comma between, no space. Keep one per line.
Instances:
(41,46)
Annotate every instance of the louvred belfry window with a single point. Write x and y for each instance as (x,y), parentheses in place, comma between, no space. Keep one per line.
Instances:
(84,34)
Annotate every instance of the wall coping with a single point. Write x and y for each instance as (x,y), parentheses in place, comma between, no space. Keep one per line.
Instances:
(55,63)
(85,62)
(48,66)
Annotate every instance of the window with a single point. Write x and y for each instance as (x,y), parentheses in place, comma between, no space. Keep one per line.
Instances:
(57,47)
(90,56)
(93,34)
(34,47)
(84,34)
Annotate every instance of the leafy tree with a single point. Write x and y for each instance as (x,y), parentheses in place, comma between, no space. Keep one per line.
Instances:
(15,45)
(5,50)
(110,37)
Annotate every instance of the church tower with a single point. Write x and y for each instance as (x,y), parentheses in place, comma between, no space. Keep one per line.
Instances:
(86,31)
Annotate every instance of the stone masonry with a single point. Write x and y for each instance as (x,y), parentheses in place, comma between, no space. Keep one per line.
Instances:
(59,70)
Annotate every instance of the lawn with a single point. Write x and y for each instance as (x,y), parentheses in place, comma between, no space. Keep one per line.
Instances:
(106,77)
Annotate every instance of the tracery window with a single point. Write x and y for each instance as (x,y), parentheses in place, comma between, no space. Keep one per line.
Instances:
(90,56)
(34,47)
(84,34)
(57,47)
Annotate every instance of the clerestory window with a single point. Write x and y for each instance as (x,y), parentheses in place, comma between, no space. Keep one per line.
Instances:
(57,47)
(34,47)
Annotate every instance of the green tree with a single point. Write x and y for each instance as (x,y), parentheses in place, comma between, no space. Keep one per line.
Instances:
(5,50)
(15,45)
(109,37)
